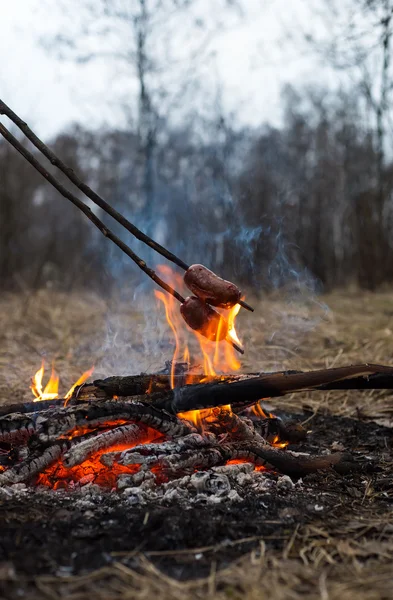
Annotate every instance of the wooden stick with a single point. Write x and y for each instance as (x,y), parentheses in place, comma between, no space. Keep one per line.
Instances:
(89,214)
(237,390)
(39,144)
(51,156)
(96,221)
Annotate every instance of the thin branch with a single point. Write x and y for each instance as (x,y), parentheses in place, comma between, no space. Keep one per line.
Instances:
(96,221)
(5,110)
(87,211)
(39,144)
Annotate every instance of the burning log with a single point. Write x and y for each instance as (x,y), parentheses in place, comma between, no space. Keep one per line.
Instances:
(244,392)
(142,437)
(149,453)
(50,426)
(125,434)
(191,394)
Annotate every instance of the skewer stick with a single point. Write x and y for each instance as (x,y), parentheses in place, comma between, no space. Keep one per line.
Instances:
(238,348)
(51,156)
(93,218)
(89,214)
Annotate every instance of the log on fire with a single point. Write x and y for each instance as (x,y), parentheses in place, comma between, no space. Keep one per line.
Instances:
(193,391)
(238,390)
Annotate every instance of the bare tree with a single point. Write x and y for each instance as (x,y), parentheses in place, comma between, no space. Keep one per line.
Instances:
(158,46)
(355,38)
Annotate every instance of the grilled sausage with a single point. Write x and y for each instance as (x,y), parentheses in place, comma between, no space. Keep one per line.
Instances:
(204,319)
(209,287)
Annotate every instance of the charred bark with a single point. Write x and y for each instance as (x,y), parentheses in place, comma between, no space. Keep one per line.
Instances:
(126,434)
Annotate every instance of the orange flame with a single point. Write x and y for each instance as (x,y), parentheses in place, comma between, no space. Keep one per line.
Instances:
(51,390)
(216,356)
(278,444)
(79,381)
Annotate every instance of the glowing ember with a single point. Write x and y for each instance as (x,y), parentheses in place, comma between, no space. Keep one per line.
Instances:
(51,390)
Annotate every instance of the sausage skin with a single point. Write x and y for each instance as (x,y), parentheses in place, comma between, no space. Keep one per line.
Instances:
(211,288)
(204,319)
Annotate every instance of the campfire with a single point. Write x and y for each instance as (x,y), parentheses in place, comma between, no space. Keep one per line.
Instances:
(196,424)
(121,432)
(197,427)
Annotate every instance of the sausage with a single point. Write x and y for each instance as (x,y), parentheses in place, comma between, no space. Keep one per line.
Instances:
(210,287)
(204,319)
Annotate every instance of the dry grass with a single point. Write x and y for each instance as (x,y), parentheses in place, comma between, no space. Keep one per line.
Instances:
(341,561)
(352,561)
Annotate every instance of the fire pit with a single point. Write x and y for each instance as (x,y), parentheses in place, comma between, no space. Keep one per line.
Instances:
(140,434)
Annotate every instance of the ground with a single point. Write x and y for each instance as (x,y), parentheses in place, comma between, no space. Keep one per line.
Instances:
(345,551)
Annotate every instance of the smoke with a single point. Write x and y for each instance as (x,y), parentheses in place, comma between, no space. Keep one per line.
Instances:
(203,223)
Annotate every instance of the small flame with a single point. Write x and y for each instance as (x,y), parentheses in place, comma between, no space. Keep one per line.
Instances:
(51,390)
(79,381)
(186,355)
(259,412)
(231,324)
(168,309)
(278,444)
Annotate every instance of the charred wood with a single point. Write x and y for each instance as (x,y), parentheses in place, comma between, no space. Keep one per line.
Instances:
(299,465)
(126,434)
(236,428)
(242,393)
(16,428)
(256,386)
(136,385)
(273,429)
(150,453)
(31,407)
(32,466)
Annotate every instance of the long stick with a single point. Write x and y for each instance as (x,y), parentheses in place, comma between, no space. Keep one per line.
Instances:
(39,144)
(95,220)
(86,210)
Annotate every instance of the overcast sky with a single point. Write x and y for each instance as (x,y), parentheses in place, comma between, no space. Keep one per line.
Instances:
(252,63)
